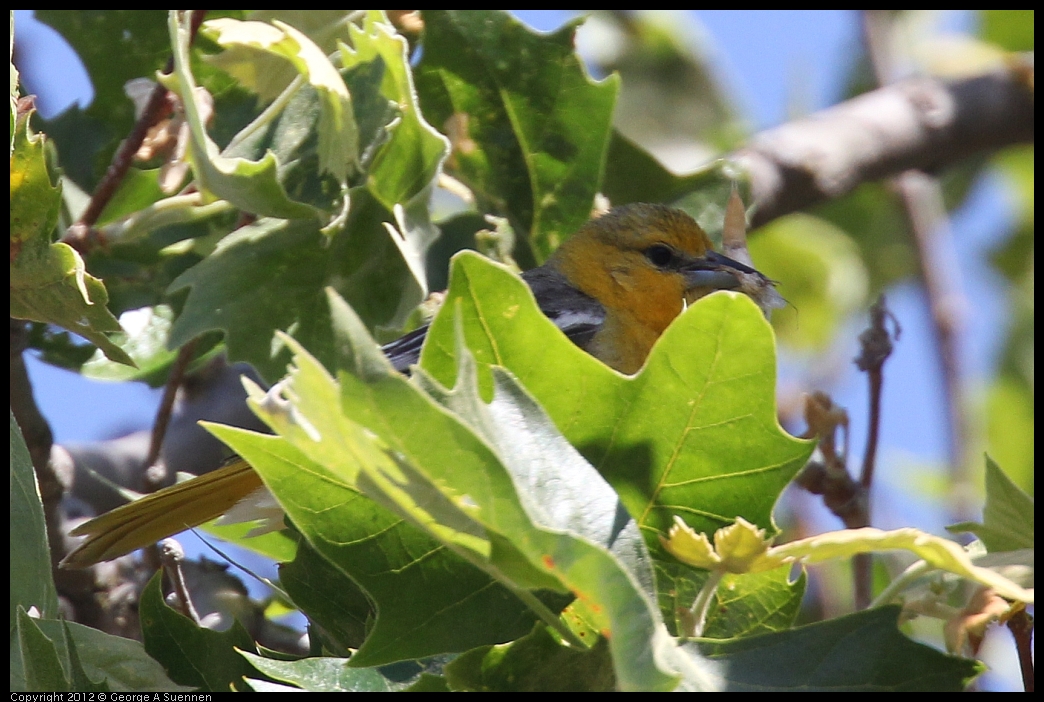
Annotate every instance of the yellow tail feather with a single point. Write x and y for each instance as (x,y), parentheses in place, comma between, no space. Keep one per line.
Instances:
(162,514)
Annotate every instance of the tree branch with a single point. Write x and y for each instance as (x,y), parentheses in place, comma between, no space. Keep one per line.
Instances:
(922,123)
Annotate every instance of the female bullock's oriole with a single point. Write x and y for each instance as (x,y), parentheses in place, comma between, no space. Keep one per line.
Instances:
(612,288)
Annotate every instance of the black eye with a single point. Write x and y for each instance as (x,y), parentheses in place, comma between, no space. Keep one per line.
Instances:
(660,255)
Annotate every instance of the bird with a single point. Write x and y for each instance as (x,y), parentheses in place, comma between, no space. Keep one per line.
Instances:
(612,288)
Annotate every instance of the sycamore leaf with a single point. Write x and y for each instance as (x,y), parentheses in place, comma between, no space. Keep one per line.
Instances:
(191,654)
(253,186)
(121,664)
(49,281)
(269,276)
(32,585)
(386,439)
(538,661)
(529,127)
(427,599)
(338,135)
(1007,518)
(693,433)
(411,160)
(323,675)
(402,171)
(860,652)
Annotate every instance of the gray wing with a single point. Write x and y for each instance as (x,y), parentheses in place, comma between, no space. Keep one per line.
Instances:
(579,316)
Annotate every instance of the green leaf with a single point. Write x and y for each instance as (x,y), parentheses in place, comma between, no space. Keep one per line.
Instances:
(269,276)
(151,247)
(427,599)
(144,339)
(323,674)
(35,194)
(429,683)
(115,46)
(81,681)
(267,75)
(1007,518)
(545,503)
(634,175)
(49,282)
(744,605)
(407,165)
(39,666)
(1010,29)
(498,510)
(533,663)
(253,186)
(88,654)
(137,191)
(279,546)
(338,134)
(529,128)
(338,604)
(861,652)
(693,433)
(403,169)
(32,585)
(192,655)
(1010,410)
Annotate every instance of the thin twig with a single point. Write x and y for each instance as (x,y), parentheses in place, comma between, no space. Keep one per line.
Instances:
(153,478)
(922,202)
(172,555)
(80,235)
(876,347)
(1021,626)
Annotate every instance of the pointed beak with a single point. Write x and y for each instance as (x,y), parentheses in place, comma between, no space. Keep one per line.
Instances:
(717,272)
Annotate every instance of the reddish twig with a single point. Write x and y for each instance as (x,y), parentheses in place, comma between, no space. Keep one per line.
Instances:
(155,479)
(876,347)
(1021,626)
(80,235)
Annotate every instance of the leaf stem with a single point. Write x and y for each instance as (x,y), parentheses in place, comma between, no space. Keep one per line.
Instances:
(266,116)
(915,571)
(547,616)
(701,605)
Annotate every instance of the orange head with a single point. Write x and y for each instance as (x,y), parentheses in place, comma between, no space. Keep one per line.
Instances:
(643,263)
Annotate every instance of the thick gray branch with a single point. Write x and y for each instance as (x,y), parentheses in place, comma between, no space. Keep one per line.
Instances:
(920,123)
